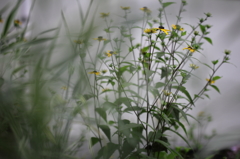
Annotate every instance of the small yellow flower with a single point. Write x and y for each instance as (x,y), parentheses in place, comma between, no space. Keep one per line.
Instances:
(177,27)
(189,48)
(164,30)
(104,15)
(166,93)
(64,87)
(194,66)
(110,53)
(201,113)
(125,8)
(146,10)
(100,38)
(105,89)
(78,41)
(1,20)
(150,31)
(17,23)
(104,71)
(210,81)
(94,72)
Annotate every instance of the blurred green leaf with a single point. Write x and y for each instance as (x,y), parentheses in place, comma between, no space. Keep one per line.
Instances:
(208,40)
(215,87)
(106,131)
(164,5)
(10,19)
(102,113)
(94,140)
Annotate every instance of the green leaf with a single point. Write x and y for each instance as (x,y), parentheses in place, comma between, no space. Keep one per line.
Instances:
(127,147)
(107,151)
(160,84)
(169,148)
(164,5)
(37,41)
(129,126)
(215,87)
(123,100)
(184,91)
(216,78)
(10,19)
(208,40)
(203,28)
(106,131)
(180,136)
(165,72)
(183,33)
(102,113)
(94,140)
(1,81)
(215,62)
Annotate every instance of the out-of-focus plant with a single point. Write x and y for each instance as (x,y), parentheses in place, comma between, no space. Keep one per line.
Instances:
(144,76)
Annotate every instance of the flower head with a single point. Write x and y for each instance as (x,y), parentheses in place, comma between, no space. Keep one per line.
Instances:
(104,15)
(166,93)
(94,72)
(164,30)
(227,52)
(64,87)
(177,27)
(210,81)
(17,23)
(1,20)
(105,89)
(104,71)
(189,48)
(150,31)
(110,53)
(100,38)
(125,8)
(194,66)
(146,10)
(78,41)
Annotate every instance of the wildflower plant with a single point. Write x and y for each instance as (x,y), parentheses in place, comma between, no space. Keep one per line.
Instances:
(144,76)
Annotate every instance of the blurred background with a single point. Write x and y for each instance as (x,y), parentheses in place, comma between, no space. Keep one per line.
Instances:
(224,108)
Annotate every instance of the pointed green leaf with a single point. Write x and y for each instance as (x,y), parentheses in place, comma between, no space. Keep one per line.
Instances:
(215,62)
(215,87)
(169,148)
(216,78)
(94,140)
(106,131)
(208,40)
(160,84)
(102,113)
(106,151)
(203,28)
(164,5)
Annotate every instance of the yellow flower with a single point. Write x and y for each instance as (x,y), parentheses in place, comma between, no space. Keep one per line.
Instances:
(210,81)
(94,72)
(110,53)
(177,27)
(100,38)
(194,66)
(145,9)
(104,15)
(201,113)
(189,48)
(78,41)
(166,93)
(150,31)
(125,8)
(64,87)
(17,23)
(105,89)
(1,20)
(104,71)
(164,30)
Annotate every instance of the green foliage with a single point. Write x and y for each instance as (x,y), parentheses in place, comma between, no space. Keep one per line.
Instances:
(144,78)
